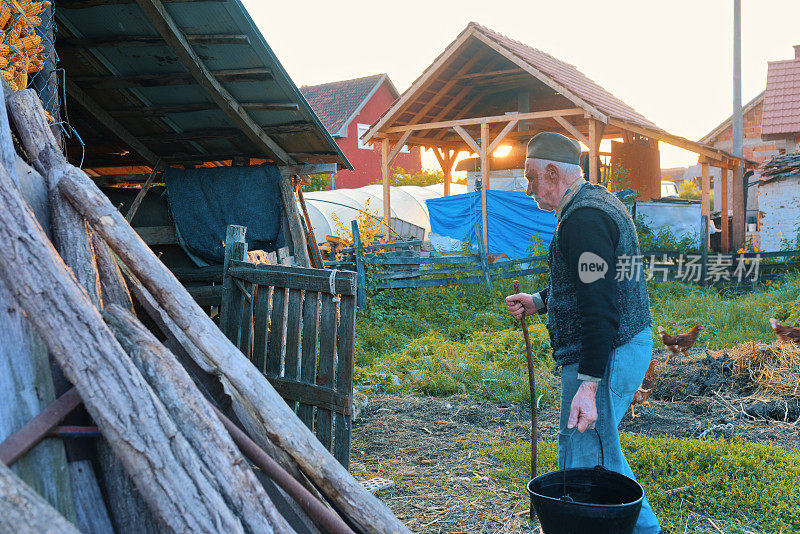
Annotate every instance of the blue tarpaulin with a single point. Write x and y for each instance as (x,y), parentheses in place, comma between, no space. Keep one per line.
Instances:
(512,219)
(205,201)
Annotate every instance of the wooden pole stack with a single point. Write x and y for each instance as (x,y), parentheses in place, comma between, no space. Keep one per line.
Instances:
(185,465)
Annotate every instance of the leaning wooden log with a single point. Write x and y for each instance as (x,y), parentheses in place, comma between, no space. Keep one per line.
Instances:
(23,511)
(197,421)
(112,284)
(165,468)
(241,379)
(26,384)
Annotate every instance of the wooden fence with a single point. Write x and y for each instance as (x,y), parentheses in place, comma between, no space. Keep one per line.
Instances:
(297,326)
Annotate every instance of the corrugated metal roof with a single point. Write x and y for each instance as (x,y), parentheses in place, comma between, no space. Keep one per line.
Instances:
(782,100)
(114,54)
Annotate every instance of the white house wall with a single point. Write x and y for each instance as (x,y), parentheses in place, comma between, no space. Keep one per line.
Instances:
(779,201)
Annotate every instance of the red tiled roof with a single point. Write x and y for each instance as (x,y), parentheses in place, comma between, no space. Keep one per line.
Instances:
(782,100)
(336,102)
(570,78)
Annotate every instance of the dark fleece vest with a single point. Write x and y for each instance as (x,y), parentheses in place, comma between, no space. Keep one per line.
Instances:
(563,315)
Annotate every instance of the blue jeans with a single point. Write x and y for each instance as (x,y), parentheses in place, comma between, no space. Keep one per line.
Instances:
(624,373)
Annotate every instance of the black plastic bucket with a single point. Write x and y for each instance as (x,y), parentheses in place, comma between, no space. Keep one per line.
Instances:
(586,501)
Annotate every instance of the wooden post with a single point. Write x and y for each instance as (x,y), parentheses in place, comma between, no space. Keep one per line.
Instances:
(142,192)
(725,239)
(594,144)
(361,291)
(230,311)
(449,157)
(386,178)
(705,190)
(312,241)
(296,231)
(739,217)
(482,255)
(484,181)
(703,248)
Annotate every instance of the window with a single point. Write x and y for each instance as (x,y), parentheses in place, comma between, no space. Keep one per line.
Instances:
(362,129)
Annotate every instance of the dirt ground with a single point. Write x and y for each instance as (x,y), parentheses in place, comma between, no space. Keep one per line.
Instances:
(432,447)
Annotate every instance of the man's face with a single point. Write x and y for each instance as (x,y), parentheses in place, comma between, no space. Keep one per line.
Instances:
(542,184)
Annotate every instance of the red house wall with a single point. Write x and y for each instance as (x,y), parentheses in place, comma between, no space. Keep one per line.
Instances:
(367,162)
(753,147)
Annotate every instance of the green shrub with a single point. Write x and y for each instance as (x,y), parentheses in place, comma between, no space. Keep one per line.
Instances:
(741,483)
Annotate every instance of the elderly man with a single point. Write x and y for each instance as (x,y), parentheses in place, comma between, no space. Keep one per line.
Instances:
(599,326)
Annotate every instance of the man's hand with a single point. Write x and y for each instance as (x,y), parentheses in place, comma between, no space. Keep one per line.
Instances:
(520,304)
(583,410)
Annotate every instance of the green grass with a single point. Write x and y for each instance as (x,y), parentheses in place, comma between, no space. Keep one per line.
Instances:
(461,339)
(739,485)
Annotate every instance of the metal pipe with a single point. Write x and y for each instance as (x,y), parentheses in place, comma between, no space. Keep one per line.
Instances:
(322,515)
(736,132)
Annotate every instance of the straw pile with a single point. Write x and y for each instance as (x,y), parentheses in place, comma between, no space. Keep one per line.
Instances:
(773,369)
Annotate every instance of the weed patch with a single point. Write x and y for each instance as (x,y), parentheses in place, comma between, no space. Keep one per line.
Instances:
(741,483)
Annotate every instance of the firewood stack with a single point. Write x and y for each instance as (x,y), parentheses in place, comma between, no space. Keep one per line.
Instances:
(181,415)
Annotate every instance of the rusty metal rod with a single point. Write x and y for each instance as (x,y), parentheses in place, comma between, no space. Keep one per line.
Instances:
(318,512)
(532,384)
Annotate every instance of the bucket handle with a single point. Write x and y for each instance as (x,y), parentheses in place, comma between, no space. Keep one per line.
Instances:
(566,457)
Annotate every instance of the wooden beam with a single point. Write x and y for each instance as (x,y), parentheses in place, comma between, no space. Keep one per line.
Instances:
(160,111)
(85,4)
(157,14)
(399,146)
(386,180)
(725,240)
(568,126)
(299,170)
(468,139)
(142,192)
(536,73)
(484,153)
(109,122)
(501,135)
(167,79)
(488,120)
(211,133)
(417,85)
(150,40)
(594,145)
(705,188)
(503,72)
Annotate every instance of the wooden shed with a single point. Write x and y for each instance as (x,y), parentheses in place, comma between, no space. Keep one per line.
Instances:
(486,89)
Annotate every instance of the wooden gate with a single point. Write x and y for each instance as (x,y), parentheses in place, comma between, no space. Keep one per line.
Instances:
(297,326)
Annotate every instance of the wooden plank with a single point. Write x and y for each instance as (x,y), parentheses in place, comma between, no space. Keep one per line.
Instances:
(142,192)
(386,180)
(361,291)
(488,120)
(293,278)
(485,178)
(296,230)
(345,354)
(263,298)
(232,298)
(212,273)
(502,135)
(126,41)
(705,190)
(724,216)
(520,272)
(323,398)
(467,139)
(170,79)
(85,4)
(308,364)
(409,284)
(594,144)
(300,170)
(94,109)
(275,337)
(294,314)
(568,126)
(325,372)
(35,430)
(158,16)
(161,111)
(247,321)
(431,260)
(206,295)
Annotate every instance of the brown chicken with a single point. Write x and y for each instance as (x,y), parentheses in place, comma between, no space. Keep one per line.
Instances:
(644,391)
(785,333)
(679,343)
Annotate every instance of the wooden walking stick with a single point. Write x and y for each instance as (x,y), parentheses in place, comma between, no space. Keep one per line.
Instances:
(532,383)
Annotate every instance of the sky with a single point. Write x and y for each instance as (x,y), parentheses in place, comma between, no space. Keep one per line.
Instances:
(672,61)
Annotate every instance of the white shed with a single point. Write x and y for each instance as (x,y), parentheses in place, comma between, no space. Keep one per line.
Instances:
(779,203)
